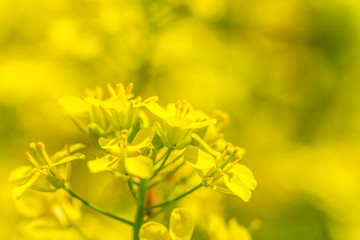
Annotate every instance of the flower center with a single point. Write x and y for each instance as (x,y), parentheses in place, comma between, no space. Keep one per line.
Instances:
(182,109)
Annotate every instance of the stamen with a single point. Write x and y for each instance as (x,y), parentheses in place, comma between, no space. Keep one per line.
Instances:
(177,106)
(37,156)
(120,90)
(99,93)
(111,90)
(129,88)
(32,159)
(44,153)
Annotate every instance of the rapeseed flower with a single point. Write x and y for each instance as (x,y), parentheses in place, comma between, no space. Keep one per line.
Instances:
(124,158)
(180,119)
(46,173)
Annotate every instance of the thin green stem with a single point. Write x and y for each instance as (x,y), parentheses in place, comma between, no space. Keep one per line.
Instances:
(168,152)
(175,199)
(173,161)
(131,187)
(98,209)
(80,232)
(155,214)
(157,161)
(141,208)
(163,178)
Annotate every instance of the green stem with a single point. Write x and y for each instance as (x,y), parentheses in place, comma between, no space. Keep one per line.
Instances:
(175,199)
(163,178)
(80,232)
(168,152)
(174,161)
(157,161)
(131,187)
(141,208)
(98,209)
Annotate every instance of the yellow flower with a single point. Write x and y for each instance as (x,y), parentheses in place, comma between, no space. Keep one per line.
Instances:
(119,111)
(125,158)
(217,229)
(221,171)
(87,111)
(180,119)
(46,173)
(48,213)
(181,227)
(101,117)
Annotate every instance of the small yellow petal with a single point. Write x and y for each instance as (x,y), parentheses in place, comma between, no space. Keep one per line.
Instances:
(140,166)
(75,156)
(245,174)
(20,173)
(143,137)
(99,165)
(198,158)
(153,231)
(240,181)
(181,224)
(74,106)
(157,110)
(19,190)
(238,232)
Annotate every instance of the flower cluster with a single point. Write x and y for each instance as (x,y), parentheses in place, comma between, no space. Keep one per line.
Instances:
(46,173)
(136,138)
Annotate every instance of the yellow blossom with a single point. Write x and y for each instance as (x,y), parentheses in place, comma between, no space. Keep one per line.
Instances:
(180,119)
(125,158)
(46,173)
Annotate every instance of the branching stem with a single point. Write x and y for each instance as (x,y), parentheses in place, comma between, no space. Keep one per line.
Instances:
(98,209)
(175,199)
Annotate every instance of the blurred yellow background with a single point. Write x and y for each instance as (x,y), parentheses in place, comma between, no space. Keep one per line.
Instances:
(286,72)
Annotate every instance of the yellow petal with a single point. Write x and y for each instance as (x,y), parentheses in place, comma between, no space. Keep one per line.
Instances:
(153,231)
(198,158)
(245,174)
(75,156)
(76,147)
(99,165)
(181,224)
(143,137)
(205,145)
(67,150)
(21,173)
(108,143)
(140,166)
(240,181)
(157,110)
(74,106)
(201,124)
(238,232)
(19,190)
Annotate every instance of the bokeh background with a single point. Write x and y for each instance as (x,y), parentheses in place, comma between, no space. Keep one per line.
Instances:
(286,72)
